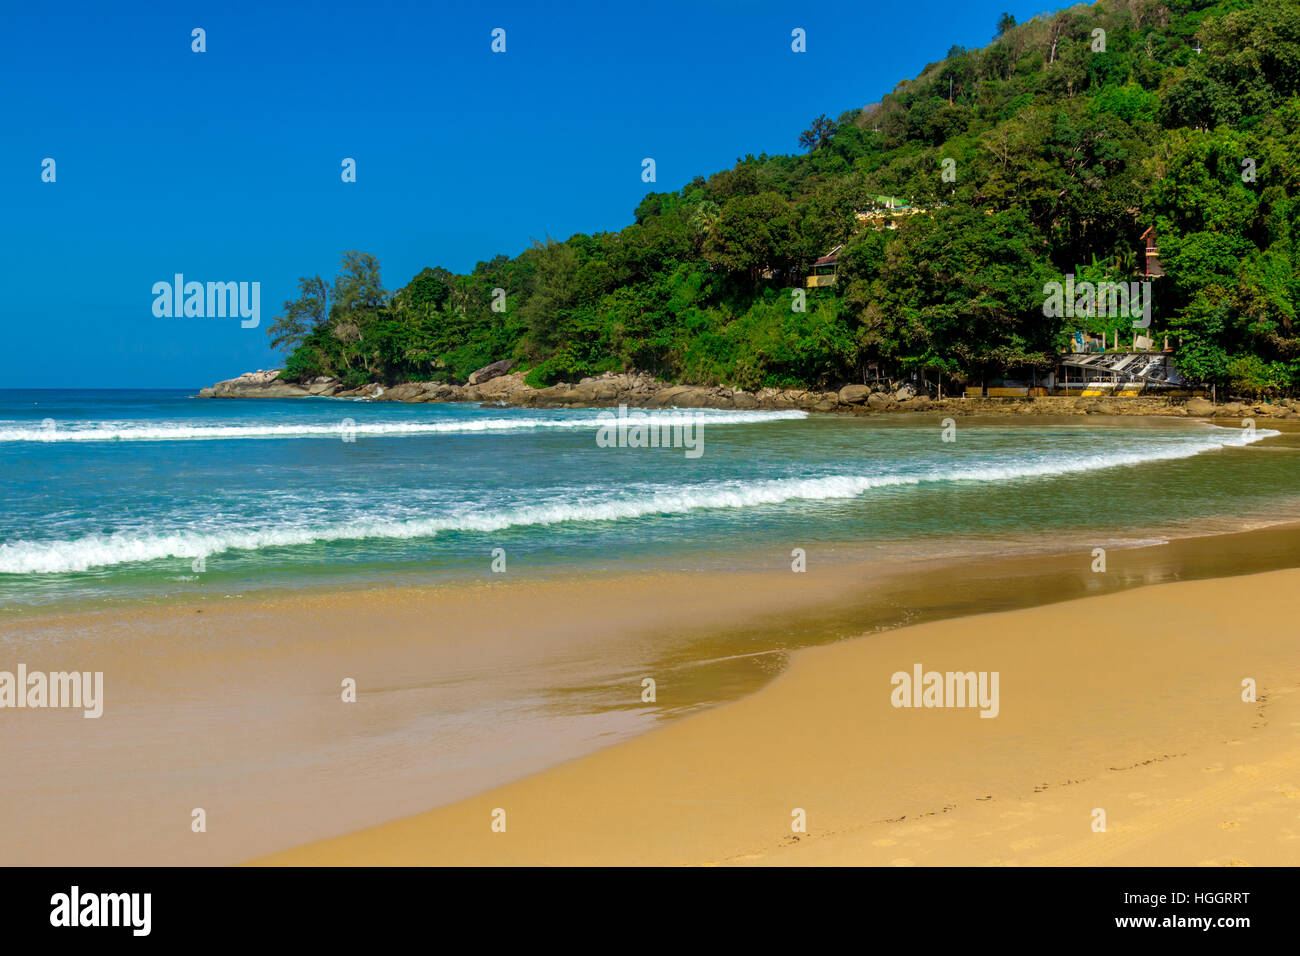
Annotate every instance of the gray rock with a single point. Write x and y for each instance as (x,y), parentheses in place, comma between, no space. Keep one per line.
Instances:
(489,372)
(680,396)
(406,392)
(595,390)
(264,383)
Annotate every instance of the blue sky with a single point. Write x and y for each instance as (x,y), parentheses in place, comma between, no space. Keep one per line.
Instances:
(225,165)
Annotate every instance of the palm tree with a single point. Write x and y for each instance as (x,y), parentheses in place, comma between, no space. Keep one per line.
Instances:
(705,217)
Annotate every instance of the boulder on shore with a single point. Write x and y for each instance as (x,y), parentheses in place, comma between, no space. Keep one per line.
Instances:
(681,396)
(324,385)
(264,383)
(406,392)
(854,394)
(489,372)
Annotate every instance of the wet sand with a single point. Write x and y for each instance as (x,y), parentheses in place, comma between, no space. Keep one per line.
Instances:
(1121,737)
(235,705)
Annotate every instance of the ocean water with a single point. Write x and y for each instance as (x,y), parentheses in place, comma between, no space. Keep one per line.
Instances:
(128,496)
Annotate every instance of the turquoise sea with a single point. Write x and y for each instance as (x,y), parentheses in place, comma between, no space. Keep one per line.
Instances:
(126,496)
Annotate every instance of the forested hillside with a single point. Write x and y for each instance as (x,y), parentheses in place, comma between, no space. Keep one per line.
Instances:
(1062,154)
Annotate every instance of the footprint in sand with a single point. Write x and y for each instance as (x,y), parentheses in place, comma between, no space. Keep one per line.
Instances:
(1229,825)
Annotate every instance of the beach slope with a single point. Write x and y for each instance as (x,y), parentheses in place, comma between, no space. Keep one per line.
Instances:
(1128,705)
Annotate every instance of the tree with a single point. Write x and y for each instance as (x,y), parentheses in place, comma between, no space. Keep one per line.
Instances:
(301,316)
(358,299)
(554,291)
(705,218)
(430,289)
(819,134)
(754,233)
(962,291)
(1005,23)
(357,288)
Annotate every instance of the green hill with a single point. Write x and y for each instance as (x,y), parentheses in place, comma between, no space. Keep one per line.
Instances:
(1049,152)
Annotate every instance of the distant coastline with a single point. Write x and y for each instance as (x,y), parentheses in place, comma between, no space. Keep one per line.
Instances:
(645,391)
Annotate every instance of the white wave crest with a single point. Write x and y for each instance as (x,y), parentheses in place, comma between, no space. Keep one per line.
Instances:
(153,431)
(102,550)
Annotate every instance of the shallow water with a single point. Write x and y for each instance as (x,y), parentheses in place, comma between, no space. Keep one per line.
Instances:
(113,497)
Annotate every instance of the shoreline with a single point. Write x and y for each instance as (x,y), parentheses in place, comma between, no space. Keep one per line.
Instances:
(234,705)
(1161,749)
(170,590)
(840,557)
(642,391)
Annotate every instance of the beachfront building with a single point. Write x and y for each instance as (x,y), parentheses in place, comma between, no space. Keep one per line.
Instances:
(887,212)
(1089,367)
(824,269)
(1151,266)
(1093,366)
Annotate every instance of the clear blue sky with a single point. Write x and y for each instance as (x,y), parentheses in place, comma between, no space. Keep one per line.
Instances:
(225,165)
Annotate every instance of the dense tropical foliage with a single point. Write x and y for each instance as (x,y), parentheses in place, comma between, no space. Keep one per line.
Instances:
(1048,152)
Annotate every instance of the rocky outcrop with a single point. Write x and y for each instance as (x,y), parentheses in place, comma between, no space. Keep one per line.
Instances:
(264,383)
(639,390)
(406,392)
(370,390)
(489,372)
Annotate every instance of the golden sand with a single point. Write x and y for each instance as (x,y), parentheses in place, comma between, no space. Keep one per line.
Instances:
(1127,704)
(233,705)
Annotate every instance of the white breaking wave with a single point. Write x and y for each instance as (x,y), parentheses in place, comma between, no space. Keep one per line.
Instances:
(93,551)
(150,431)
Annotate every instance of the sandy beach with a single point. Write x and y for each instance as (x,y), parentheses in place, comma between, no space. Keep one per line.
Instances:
(427,443)
(1128,704)
(1119,690)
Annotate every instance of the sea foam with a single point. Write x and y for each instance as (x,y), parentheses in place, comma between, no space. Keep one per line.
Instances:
(103,550)
(196,431)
